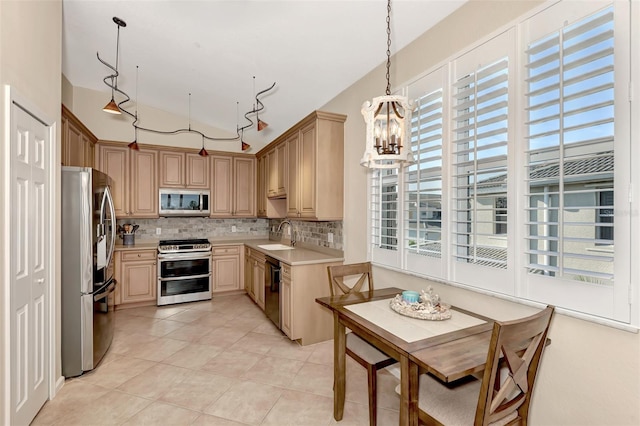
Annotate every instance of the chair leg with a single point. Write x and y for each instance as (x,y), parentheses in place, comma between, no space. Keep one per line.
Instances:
(372,379)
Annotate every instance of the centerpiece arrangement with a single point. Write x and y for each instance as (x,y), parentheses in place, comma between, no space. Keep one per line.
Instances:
(425,305)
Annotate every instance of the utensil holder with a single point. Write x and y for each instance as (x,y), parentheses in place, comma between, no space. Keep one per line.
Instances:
(128,239)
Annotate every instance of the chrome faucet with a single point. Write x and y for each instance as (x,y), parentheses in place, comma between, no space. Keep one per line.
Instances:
(293,235)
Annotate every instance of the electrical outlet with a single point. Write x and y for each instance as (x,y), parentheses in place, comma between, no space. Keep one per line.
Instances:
(330,237)
(158,231)
(233,228)
(288,231)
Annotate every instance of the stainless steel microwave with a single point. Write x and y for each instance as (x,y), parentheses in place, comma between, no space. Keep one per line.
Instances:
(184,202)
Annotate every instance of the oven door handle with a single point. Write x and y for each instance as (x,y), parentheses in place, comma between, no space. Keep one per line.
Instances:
(188,277)
(183,256)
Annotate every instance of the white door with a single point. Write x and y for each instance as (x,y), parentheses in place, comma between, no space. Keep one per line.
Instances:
(30,147)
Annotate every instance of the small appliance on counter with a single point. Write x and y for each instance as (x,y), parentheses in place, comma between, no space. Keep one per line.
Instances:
(128,233)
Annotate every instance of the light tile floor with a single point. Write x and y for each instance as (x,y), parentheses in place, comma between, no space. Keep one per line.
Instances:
(219,362)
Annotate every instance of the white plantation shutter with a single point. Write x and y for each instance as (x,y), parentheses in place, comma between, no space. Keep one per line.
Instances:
(385,217)
(423,209)
(481,97)
(571,159)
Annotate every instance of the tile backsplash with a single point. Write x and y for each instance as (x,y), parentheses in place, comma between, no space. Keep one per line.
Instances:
(312,233)
(198,227)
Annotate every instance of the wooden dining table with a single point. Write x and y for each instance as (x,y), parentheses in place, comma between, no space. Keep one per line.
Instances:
(449,349)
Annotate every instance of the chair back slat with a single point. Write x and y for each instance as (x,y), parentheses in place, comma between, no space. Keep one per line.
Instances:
(520,343)
(341,276)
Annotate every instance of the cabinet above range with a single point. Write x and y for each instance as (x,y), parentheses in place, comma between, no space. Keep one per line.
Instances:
(179,169)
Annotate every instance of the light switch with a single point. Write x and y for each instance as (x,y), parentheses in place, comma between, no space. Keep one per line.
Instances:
(233,228)
(330,237)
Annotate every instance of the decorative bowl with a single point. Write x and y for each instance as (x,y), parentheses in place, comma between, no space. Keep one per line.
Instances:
(410,296)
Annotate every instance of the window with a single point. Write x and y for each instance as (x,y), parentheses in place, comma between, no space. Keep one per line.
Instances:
(604,228)
(500,215)
(571,141)
(521,144)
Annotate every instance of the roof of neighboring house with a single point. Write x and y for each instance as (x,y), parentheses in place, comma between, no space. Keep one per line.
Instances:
(487,256)
(599,164)
(602,163)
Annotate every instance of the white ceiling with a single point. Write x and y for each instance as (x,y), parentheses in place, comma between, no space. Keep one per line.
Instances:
(313,50)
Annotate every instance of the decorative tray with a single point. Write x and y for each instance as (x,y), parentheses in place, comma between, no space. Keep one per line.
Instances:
(428,308)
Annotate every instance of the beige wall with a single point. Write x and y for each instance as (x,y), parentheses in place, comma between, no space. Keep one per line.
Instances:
(87,105)
(590,374)
(30,60)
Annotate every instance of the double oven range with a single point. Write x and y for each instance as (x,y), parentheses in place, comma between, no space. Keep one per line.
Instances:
(184,271)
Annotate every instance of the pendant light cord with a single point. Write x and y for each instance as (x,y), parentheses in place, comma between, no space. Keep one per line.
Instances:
(388,47)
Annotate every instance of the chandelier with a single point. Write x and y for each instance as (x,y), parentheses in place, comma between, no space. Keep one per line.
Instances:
(114,107)
(387,120)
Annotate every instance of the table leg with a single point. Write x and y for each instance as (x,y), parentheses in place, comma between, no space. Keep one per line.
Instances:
(409,382)
(339,367)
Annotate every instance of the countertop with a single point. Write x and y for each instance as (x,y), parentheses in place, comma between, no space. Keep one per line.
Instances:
(301,255)
(140,245)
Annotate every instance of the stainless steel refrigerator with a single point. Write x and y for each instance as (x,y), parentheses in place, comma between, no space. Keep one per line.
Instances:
(88,239)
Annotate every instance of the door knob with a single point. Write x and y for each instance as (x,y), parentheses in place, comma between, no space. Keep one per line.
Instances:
(40,281)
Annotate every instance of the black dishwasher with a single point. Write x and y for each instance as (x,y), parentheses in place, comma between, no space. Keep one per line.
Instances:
(272,290)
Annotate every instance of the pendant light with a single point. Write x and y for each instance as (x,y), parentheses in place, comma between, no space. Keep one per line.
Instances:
(203,152)
(134,145)
(387,119)
(112,107)
(245,146)
(257,107)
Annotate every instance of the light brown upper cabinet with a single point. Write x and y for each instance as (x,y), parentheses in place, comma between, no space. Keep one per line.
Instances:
(134,174)
(261,187)
(267,207)
(276,170)
(78,143)
(183,170)
(233,192)
(315,185)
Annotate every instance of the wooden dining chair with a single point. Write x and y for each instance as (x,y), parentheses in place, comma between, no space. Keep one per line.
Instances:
(503,396)
(365,354)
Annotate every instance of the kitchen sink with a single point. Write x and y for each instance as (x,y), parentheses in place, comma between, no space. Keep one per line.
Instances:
(275,247)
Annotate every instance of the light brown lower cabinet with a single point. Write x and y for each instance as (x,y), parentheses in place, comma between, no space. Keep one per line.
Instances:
(302,318)
(258,279)
(136,273)
(254,276)
(248,273)
(227,273)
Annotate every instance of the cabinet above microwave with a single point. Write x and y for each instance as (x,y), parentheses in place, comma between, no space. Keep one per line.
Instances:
(184,202)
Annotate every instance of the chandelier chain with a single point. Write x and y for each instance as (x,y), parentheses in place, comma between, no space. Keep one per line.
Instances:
(388,47)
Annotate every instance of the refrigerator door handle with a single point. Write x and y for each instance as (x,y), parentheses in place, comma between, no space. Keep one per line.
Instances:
(108,199)
(101,293)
